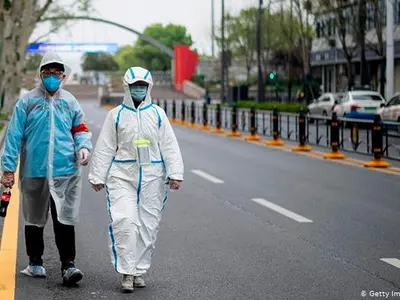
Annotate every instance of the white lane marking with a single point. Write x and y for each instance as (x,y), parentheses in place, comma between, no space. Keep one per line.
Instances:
(282,210)
(207,176)
(392,261)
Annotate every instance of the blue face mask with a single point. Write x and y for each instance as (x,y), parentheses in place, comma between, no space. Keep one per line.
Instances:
(138,92)
(51,83)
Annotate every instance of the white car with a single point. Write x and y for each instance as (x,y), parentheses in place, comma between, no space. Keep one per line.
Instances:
(391,110)
(324,104)
(359,105)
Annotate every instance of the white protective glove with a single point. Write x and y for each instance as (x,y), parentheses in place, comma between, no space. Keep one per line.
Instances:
(84,156)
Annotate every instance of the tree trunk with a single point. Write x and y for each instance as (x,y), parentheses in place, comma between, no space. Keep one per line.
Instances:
(382,77)
(18,25)
(350,77)
(248,68)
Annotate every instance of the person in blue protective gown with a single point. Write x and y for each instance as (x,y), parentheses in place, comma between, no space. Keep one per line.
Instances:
(47,130)
(136,157)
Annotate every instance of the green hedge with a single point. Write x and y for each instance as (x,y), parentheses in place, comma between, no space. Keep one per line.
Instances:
(282,107)
(3,116)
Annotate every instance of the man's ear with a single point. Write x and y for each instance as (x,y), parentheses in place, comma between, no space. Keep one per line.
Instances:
(63,77)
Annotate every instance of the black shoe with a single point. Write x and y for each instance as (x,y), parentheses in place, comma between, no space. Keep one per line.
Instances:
(71,275)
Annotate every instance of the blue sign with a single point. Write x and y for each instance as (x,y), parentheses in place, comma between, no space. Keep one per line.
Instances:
(74,47)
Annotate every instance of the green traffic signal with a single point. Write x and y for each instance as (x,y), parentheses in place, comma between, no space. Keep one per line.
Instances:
(271,75)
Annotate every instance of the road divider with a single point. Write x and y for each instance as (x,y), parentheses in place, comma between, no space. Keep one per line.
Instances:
(183,114)
(173,119)
(253,127)
(205,126)
(302,146)
(281,210)
(192,115)
(218,128)
(335,153)
(207,176)
(377,146)
(234,125)
(276,139)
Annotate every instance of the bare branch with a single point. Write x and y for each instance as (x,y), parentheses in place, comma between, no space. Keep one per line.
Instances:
(38,39)
(43,10)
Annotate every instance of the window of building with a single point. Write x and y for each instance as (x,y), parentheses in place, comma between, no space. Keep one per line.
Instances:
(318,30)
(329,27)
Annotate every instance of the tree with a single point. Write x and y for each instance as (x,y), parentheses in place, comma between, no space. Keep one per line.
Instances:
(18,20)
(99,62)
(241,36)
(32,61)
(127,58)
(345,23)
(169,35)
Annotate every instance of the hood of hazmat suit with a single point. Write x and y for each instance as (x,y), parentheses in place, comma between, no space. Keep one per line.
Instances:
(136,193)
(48,132)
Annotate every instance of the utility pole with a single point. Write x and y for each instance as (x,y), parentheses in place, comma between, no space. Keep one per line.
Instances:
(290,53)
(223,55)
(260,79)
(309,87)
(212,29)
(389,49)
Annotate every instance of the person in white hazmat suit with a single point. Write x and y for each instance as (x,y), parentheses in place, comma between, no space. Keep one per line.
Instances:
(136,156)
(47,129)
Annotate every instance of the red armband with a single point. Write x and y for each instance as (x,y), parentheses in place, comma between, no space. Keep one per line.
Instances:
(80,128)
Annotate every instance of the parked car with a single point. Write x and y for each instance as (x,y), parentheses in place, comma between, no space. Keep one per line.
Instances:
(359,105)
(325,104)
(391,111)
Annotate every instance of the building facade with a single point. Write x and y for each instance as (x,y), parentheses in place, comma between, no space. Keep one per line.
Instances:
(328,58)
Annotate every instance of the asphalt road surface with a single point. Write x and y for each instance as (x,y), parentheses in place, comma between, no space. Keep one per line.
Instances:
(250,222)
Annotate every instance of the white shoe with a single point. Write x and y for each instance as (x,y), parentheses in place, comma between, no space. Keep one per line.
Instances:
(127,284)
(34,271)
(139,282)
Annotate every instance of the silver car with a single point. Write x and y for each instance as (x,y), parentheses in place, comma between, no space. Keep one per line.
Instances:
(324,104)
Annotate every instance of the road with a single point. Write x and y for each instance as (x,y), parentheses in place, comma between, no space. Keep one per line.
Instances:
(250,222)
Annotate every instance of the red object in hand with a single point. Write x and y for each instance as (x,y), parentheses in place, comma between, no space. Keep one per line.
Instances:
(5,200)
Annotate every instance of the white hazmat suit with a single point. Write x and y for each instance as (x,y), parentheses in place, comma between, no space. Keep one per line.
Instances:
(136,194)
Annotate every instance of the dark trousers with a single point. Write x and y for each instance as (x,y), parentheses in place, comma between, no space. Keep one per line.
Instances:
(65,240)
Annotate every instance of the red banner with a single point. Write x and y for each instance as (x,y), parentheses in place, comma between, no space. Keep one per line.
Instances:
(185,65)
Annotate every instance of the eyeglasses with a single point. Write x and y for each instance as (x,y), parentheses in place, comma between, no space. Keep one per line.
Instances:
(46,73)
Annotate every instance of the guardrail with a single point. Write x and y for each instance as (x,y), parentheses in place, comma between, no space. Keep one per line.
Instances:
(353,135)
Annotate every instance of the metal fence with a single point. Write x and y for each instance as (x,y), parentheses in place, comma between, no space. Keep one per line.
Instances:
(354,135)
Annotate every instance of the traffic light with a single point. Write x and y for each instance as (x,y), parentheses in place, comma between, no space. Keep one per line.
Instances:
(272,75)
